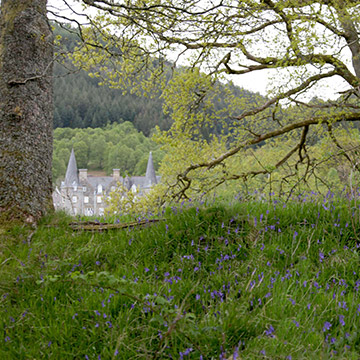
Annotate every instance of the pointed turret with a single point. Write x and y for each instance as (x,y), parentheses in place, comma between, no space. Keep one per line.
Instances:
(127,182)
(71,177)
(150,177)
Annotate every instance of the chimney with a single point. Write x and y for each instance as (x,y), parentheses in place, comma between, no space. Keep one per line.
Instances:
(116,174)
(82,175)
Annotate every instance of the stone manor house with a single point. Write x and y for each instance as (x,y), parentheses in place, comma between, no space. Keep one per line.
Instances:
(83,194)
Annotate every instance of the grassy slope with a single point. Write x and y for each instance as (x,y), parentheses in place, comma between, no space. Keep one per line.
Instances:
(254,279)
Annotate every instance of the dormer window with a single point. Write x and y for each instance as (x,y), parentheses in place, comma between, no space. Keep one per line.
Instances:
(99,189)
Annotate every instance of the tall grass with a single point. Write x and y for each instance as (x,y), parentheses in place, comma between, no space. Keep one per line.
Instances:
(242,281)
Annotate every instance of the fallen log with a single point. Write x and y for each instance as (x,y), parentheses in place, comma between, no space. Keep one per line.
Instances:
(99,227)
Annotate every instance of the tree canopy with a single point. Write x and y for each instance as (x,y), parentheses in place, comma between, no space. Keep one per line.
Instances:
(301,44)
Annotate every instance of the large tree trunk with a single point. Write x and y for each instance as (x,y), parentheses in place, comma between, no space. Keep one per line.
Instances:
(26,110)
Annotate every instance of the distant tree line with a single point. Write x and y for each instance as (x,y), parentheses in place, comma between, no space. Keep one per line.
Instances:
(118,146)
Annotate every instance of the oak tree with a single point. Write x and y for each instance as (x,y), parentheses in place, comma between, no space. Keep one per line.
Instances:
(302,44)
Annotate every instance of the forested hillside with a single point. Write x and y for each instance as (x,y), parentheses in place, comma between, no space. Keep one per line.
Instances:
(80,102)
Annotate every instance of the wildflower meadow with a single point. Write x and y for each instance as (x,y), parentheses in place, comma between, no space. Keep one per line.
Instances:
(238,280)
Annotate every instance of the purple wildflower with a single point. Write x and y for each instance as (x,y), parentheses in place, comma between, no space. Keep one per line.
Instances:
(326,326)
(269,331)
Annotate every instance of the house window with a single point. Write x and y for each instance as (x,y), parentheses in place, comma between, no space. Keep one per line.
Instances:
(75,187)
(99,189)
(84,188)
(89,212)
(99,199)
(86,199)
(74,199)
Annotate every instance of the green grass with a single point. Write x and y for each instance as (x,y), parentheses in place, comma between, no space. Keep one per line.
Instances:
(261,280)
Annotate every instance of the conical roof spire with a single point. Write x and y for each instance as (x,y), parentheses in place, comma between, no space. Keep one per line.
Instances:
(71,177)
(150,177)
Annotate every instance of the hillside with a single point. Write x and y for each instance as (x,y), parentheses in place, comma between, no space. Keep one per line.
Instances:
(80,102)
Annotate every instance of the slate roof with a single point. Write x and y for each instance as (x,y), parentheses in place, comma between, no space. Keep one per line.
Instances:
(71,176)
(105,181)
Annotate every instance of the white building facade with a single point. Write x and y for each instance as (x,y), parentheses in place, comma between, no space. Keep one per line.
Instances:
(84,194)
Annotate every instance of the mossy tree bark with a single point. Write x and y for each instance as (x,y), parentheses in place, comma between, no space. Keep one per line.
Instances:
(26,110)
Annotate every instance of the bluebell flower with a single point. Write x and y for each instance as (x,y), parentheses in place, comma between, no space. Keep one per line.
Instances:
(269,331)
(326,326)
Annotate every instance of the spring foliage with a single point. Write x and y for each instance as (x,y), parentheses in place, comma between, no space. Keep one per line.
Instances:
(302,44)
